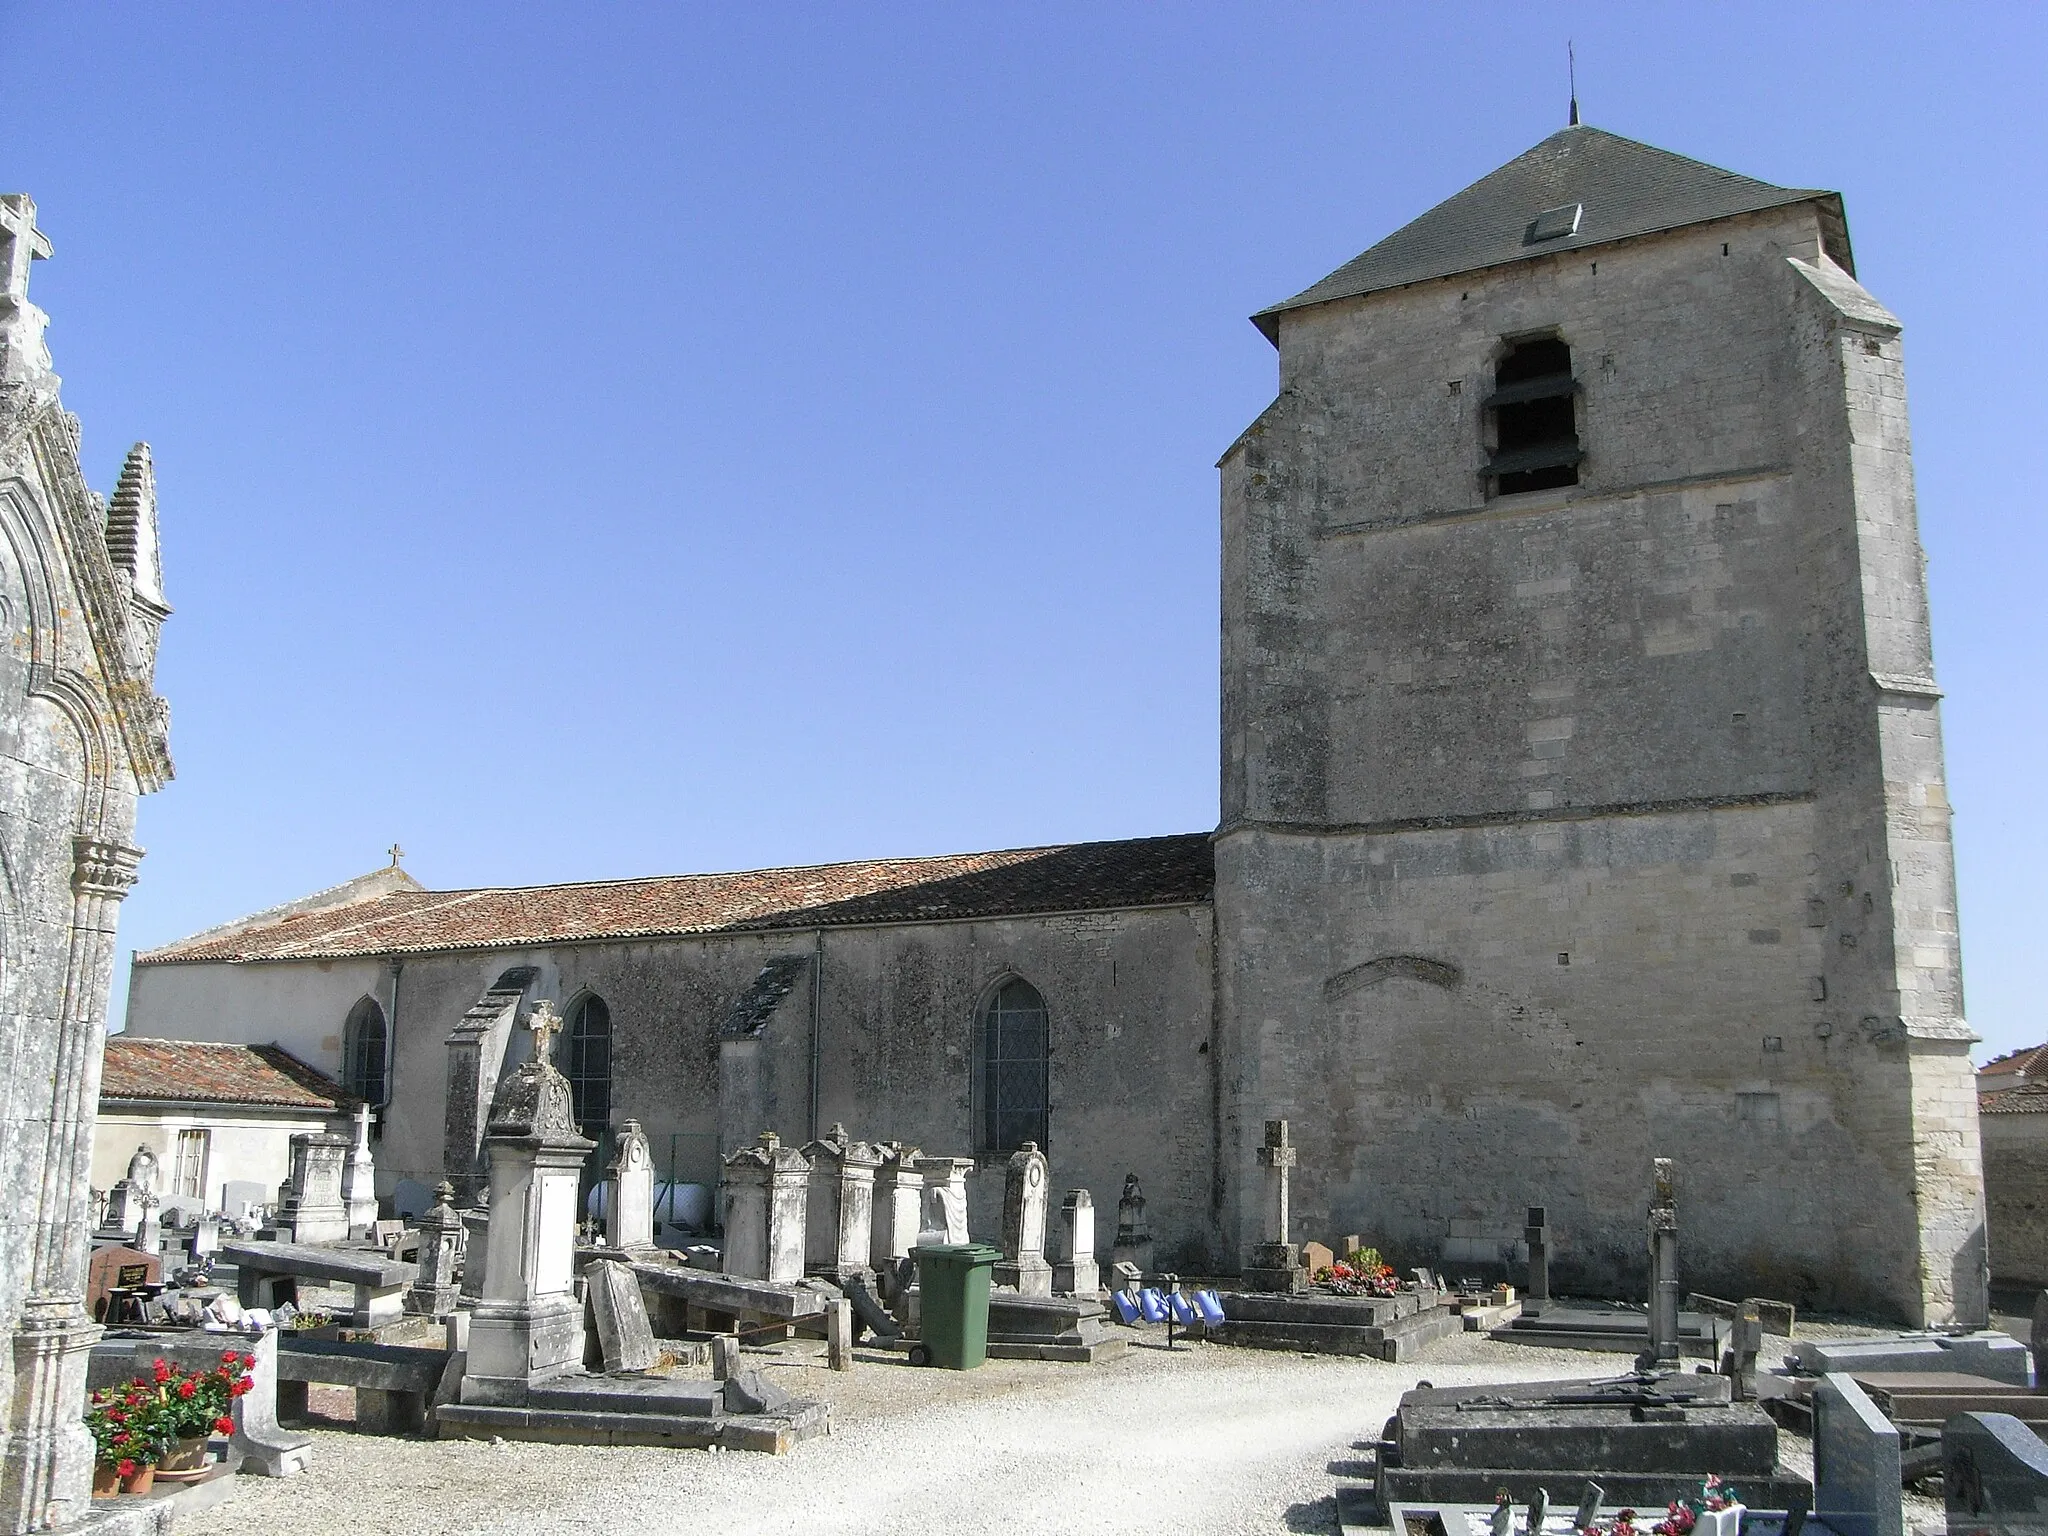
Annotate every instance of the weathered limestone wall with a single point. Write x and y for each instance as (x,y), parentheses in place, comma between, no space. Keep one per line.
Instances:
(2016,1196)
(1633,722)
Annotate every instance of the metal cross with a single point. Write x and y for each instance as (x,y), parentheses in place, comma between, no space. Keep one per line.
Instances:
(23,243)
(545,1024)
(396,853)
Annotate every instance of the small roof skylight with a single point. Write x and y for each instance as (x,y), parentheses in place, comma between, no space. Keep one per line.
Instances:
(1554,224)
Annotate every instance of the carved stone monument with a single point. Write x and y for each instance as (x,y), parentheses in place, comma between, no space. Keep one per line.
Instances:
(1537,1232)
(310,1208)
(1133,1243)
(435,1291)
(629,1193)
(1023,1264)
(841,1218)
(1275,1264)
(359,1179)
(767,1192)
(945,1199)
(899,1202)
(529,1324)
(1074,1271)
(126,1199)
(1663,1353)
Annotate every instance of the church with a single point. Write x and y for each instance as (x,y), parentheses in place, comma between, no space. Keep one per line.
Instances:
(1582,803)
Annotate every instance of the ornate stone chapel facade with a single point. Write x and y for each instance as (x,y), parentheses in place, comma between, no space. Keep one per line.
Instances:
(1582,802)
(82,733)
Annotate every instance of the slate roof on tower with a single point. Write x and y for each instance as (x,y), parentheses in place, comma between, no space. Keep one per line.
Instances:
(1623,189)
(1076,877)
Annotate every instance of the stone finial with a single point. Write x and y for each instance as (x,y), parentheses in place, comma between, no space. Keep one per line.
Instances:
(22,353)
(131,526)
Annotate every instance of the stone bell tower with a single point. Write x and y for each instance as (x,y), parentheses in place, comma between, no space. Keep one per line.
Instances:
(1582,777)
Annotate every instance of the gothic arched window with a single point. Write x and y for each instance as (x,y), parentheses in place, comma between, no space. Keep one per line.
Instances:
(366,1054)
(586,1060)
(1014,1056)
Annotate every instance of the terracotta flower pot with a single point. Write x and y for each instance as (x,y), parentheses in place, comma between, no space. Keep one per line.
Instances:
(140,1481)
(185,1462)
(106,1480)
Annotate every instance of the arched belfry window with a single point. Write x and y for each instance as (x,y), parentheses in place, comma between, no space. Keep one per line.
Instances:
(366,1054)
(586,1060)
(1014,1086)
(1535,420)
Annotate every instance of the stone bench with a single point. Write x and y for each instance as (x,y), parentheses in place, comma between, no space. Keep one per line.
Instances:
(394,1383)
(266,1272)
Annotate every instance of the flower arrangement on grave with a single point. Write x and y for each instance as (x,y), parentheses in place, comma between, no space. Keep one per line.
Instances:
(140,1424)
(1363,1274)
(1717,1504)
(1682,1515)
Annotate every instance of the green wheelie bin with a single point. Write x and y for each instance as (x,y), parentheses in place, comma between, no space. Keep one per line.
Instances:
(953,1280)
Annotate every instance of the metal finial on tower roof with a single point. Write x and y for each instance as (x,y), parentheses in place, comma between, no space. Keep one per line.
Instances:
(1571,61)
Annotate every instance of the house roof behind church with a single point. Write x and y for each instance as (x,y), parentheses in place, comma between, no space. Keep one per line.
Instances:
(1622,188)
(202,1071)
(1076,877)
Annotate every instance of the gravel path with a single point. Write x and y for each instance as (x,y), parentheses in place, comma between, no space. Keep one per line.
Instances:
(1204,1440)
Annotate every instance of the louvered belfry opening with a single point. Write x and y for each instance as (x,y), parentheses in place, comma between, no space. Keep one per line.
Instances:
(1536,438)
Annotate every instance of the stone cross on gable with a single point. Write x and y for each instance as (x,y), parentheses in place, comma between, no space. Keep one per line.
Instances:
(545,1024)
(20,243)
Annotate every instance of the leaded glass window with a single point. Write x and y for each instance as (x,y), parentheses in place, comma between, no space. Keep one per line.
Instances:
(1014,1079)
(587,1064)
(366,1054)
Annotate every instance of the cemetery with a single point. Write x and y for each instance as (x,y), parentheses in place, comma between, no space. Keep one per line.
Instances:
(839,1276)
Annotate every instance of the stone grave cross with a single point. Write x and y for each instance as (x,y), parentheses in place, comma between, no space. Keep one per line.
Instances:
(545,1024)
(1277,1156)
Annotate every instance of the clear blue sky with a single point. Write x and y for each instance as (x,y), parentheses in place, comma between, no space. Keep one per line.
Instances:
(603,441)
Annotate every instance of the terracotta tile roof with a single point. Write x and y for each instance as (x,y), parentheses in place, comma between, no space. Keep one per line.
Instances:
(1078,877)
(2030,1098)
(174,1071)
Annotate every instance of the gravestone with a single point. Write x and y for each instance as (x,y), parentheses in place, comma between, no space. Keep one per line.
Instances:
(767,1190)
(435,1292)
(1315,1257)
(629,1193)
(1855,1462)
(1275,1264)
(149,1235)
(1663,1353)
(841,1218)
(899,1202)
(205,1237)
(311,1209)
(109,1268)
(1133,1243)
(529,1323)
(1074,1271)
(359,1179)
(244,1199)
(945,1199)
(1994,1476)
(125,1200)
(1537,1234)
(476,1253)
(624,1336)
(1023,1264)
